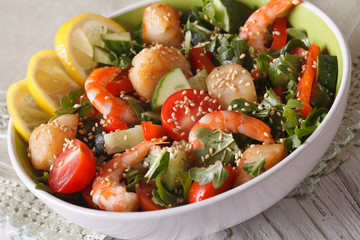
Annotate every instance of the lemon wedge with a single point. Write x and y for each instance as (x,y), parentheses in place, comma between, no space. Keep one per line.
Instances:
(75,41)
(24,111)
(48,80)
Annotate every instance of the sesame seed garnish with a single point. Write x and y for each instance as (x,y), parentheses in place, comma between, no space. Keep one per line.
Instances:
(266,134)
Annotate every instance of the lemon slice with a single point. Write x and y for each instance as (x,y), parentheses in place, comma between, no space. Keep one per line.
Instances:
(75,41)
(48,80)
(24,111)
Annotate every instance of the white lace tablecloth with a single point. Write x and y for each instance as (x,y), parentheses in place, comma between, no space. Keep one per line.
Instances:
(30,26)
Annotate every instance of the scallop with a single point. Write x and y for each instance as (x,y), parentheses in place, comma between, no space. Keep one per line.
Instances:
(47,140)
(229,82)
(151,64)
(161,25)
(272,153)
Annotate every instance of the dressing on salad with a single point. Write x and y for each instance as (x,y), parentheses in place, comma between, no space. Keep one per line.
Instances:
(184,108)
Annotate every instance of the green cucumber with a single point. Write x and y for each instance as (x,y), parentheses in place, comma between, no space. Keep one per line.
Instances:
(327,72)
(124,139)
(150,116)
(171,82)
(101,55)
(228,13)
(187,42)
(119,43)
(320,96)
(199,80)
(177,163)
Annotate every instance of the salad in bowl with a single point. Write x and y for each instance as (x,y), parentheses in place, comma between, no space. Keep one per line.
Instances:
(184,105)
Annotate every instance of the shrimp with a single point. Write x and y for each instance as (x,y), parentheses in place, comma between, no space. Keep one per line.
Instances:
(107,191)
(151,64)
(229,121)
(161,24)
(255,28)
(104,101)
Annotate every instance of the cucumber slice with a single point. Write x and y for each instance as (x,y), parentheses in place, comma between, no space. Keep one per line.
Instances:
(229,14)
(101,55)
(327,72)
(151,117)
(171,82)
(199,80)
(124,139)
(119,43)
(320,96)
(177,163)
(187,42)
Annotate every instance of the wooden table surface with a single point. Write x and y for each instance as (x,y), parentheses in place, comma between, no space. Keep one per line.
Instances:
(332,211)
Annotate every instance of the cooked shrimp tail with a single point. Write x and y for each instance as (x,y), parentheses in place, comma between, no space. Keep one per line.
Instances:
(256,27)
(104,101)
(107,191)
(229,121)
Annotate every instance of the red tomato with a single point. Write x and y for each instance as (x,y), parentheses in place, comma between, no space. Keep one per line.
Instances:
(199,192)
(279,33)
(144,193)
(119,84)
(183,109)
(111,124)
(73,168)
(151,130)
(86,196)
(199,59)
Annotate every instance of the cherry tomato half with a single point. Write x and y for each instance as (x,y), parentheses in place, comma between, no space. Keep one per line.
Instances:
(183,109)
(85,193)
(199,192)
(151,130)
(144,193)
(73,169)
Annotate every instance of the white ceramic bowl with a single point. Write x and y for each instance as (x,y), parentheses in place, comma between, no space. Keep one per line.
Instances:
(231,207)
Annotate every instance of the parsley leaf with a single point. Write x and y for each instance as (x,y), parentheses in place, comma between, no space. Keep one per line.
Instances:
(223,147)
(160,165)
(186,182)
(255,168)
(162,196)
(215,173)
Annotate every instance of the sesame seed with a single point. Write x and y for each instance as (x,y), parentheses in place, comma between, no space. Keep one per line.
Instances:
(266,134)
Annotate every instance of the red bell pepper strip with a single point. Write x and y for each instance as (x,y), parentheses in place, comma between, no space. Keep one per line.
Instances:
(199,60)
(151,130)
(121,83)
(279,33)
(303,92)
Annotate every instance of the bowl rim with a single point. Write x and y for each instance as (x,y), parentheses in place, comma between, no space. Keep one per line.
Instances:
(343,90)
